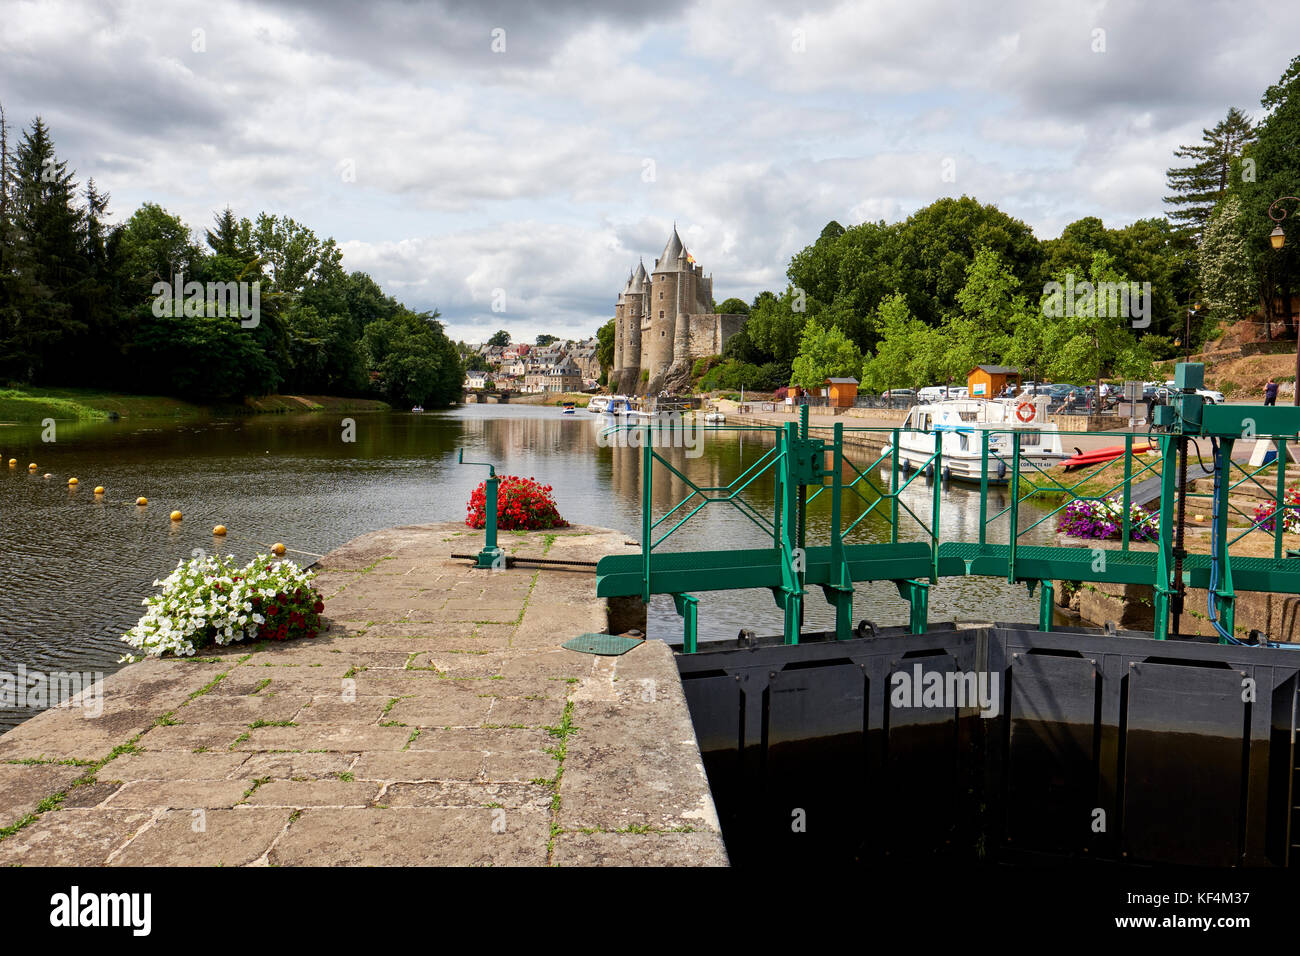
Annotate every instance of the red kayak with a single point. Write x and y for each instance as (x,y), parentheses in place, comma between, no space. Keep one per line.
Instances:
(1101,455)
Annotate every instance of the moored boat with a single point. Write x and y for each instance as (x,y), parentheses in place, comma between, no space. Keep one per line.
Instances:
(960,424)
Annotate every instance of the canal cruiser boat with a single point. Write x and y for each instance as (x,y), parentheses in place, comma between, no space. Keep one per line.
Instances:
(569,408)
(715,418)
(961,422)
(599,404)
(617,405)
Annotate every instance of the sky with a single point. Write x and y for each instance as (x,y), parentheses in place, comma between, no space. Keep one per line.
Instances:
(507,163)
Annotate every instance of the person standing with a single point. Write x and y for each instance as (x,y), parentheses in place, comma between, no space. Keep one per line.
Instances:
(1270,393)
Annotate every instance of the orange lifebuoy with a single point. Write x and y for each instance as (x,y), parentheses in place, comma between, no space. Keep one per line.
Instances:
(1025,411)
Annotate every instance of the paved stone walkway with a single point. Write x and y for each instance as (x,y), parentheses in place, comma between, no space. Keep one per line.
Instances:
(436,721)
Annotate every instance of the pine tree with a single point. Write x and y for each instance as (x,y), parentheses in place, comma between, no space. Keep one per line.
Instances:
(49,259)
(232,238)
(1196,188)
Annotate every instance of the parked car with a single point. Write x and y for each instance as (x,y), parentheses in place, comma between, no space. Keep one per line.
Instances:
(935,393)
(1209,394)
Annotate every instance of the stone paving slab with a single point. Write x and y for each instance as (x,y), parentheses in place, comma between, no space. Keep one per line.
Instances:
(434,721)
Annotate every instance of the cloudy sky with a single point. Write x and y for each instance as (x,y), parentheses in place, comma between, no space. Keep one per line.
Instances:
(460,147)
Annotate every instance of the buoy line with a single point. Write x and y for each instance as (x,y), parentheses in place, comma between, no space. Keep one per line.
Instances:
(176,517)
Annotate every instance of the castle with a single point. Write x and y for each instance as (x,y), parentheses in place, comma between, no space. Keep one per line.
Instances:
(663,322)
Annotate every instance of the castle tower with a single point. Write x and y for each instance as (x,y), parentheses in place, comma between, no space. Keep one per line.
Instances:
(663,304)
(620,336)
(634,310)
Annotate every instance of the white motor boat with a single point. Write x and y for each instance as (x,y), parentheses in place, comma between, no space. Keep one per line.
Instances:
(599,404)
(961,423)
(715,418)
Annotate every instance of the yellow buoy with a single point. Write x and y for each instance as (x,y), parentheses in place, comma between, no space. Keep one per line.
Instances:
(32,466)
(277,548)
(142,501)
(176,516)
(219,530)
(72,481)
(13,462)
(99,489)
(47,475)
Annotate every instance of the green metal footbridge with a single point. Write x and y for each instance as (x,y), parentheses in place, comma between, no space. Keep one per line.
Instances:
(807,462)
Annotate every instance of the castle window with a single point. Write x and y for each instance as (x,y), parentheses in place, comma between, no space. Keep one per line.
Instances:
(661,293)
(661,315)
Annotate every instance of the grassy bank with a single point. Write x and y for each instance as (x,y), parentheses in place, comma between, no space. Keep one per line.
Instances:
(27,405)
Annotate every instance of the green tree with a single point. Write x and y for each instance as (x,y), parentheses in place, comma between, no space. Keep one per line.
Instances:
(49,268)
(1195,189)
(544,340)
(1269,170)
(1228,283)
(1085,338)
(416,362)
(500,339)
(775,324)
(732,306)
(823,353)
(906,355)
(605,346)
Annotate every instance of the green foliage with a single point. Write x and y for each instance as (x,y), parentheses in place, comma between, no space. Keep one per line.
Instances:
(416,362)
(775,325)
(205,358)
(1229,288)
(605,348)
(732,306)
(1149,250)
(77,299)
(702,365)
(1081,346)
(733,375)
(823,353)
(544,340)
(1268,170)
(499,338)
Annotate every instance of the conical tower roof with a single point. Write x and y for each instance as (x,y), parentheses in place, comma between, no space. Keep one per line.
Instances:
(667,262)
(639,280)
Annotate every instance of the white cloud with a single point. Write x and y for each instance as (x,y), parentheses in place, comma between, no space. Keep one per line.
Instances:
(524,170)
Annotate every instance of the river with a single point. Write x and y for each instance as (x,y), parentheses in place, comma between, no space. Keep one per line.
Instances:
(74,568)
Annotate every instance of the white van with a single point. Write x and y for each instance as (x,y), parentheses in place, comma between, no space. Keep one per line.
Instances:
(938,393)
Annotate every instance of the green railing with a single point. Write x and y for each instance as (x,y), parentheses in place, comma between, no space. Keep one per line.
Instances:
(916,556)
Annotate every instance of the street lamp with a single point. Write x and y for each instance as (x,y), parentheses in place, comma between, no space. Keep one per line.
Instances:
(1277,239)
(1193,312)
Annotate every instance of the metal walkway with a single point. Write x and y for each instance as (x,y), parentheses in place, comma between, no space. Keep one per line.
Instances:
(804,466)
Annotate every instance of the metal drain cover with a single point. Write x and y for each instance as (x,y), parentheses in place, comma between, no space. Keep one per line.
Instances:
(610,645)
